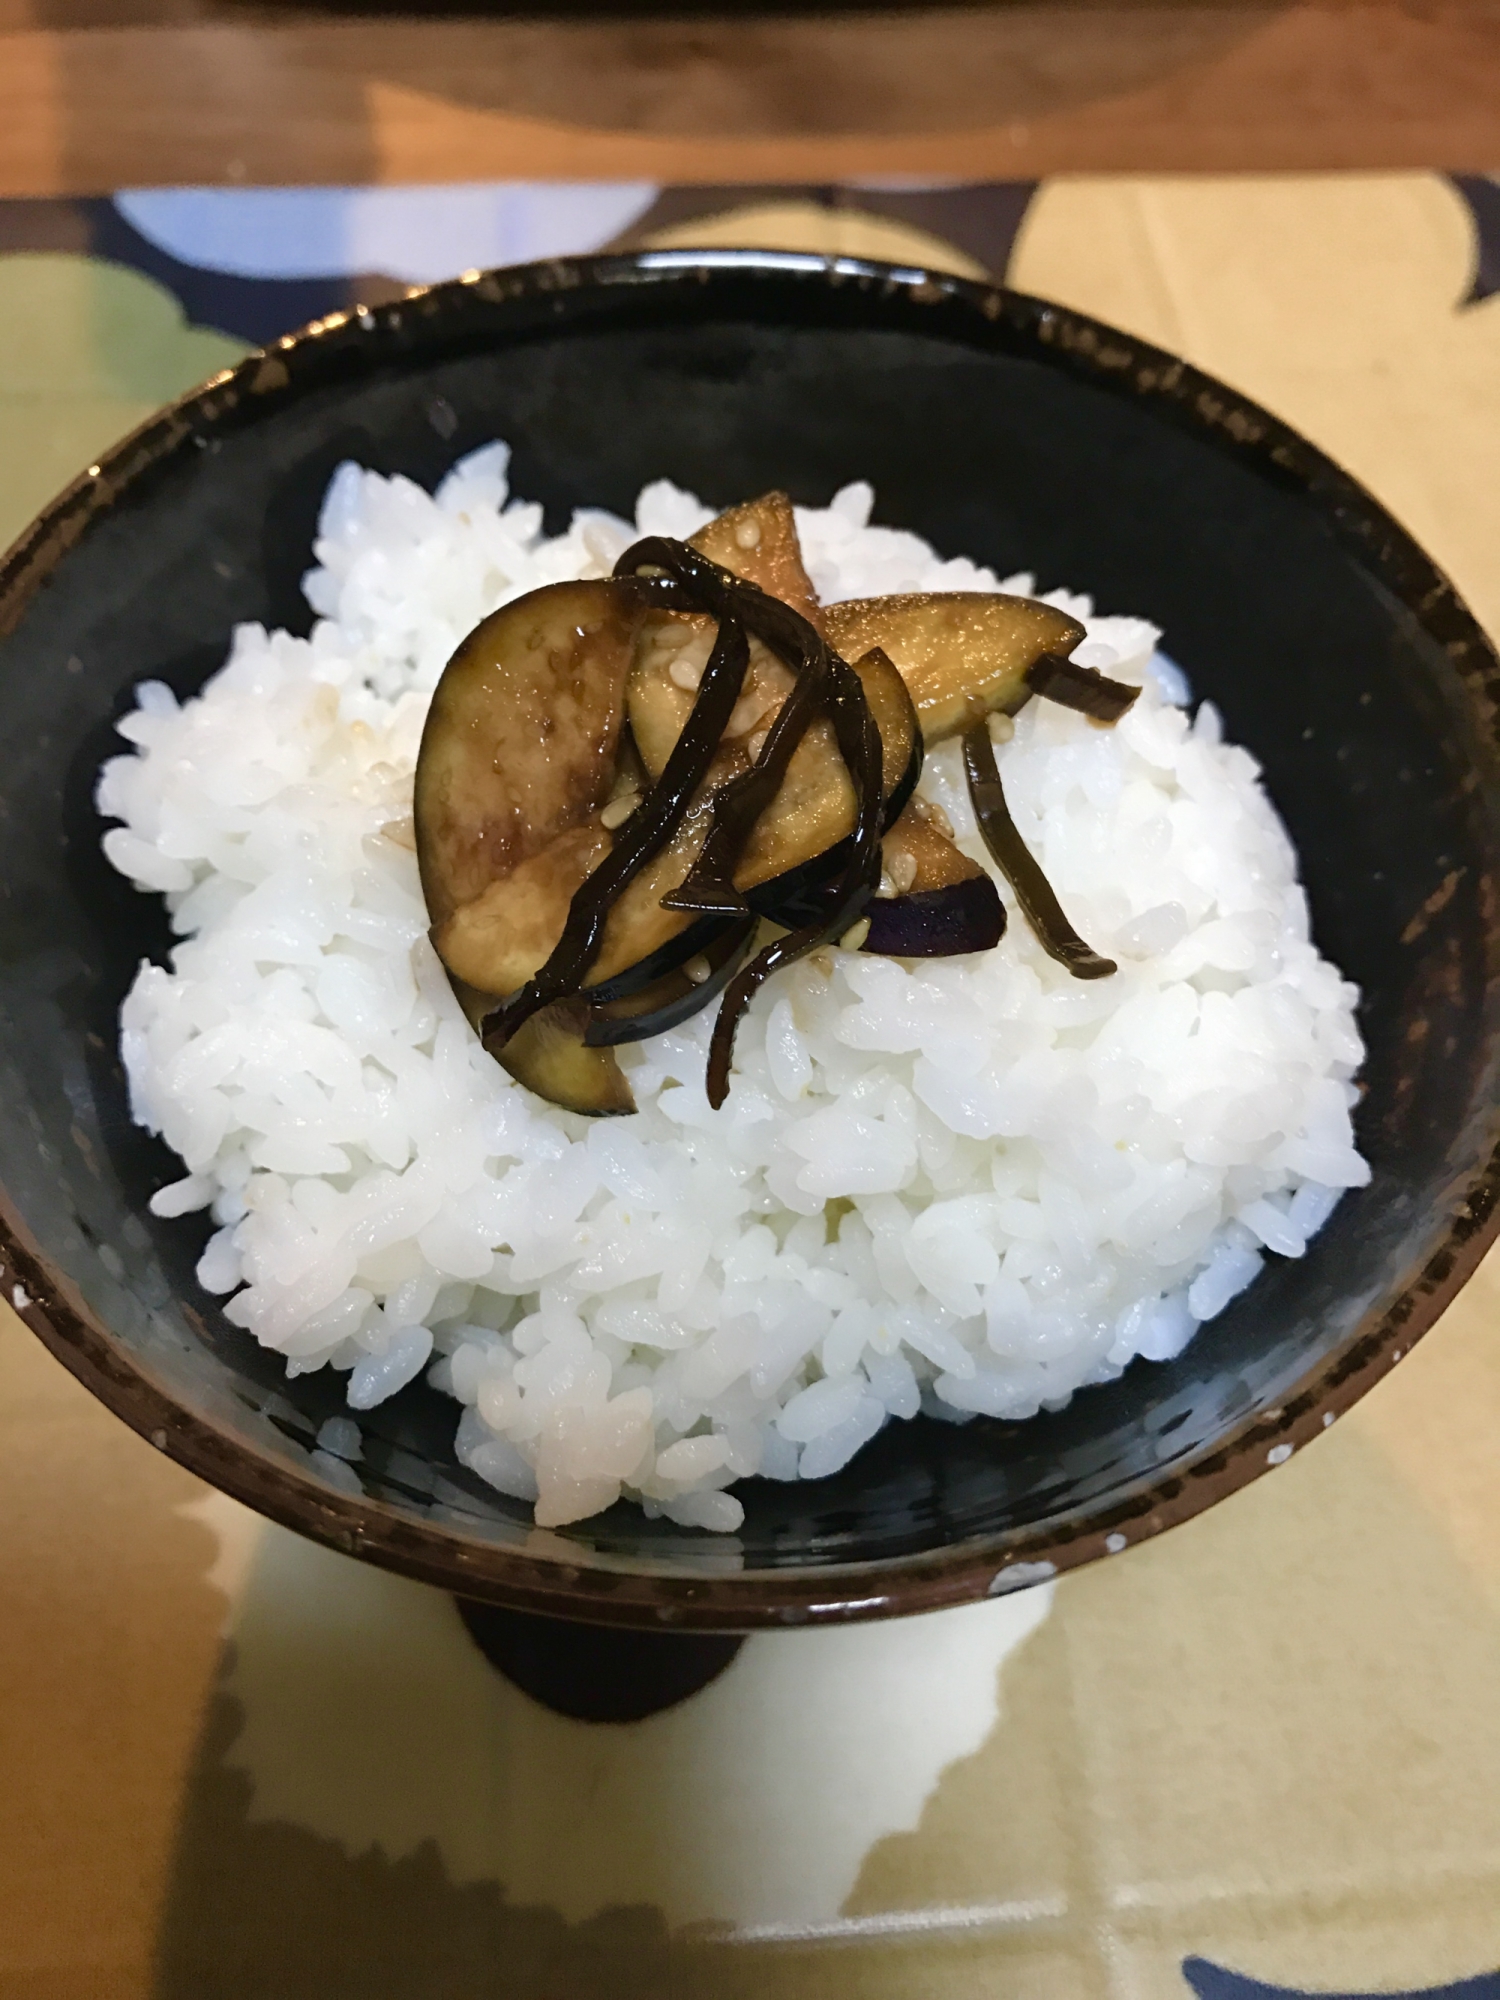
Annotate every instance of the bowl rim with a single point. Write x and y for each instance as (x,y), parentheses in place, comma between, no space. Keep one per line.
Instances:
(543,1579)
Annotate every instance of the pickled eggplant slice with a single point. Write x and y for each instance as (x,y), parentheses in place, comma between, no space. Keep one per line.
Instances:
(505,935)
(799,883)
(963,654)
(813,810)
(653,823)
(499,938)
(917,856)
(933,901)
(548,1061)
(663,684)
(699,937)
(678,995)
(521,740)
(549,1055)
(825,685)
(759,543)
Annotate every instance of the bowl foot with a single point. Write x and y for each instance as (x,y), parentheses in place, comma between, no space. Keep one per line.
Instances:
(596,1673)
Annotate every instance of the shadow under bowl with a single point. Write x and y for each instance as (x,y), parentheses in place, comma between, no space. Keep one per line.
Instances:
(993,424)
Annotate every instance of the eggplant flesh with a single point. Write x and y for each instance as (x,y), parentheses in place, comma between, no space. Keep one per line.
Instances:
(917,856)
(699,939)
(498,939)
(757,542)
(945,905)
(964,654)
(549,1055)
(522,739)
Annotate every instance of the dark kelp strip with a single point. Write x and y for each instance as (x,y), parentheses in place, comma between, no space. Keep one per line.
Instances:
(1019,865)
(859,742)
(1083,688)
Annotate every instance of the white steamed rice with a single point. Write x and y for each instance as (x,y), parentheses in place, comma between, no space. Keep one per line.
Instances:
(954,1185)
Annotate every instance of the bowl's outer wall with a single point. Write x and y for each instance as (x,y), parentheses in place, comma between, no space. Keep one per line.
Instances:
(1011,433)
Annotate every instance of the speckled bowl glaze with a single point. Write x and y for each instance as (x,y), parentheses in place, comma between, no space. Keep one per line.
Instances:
(995,425)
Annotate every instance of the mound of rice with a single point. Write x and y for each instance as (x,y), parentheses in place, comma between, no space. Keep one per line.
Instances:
(965,1185)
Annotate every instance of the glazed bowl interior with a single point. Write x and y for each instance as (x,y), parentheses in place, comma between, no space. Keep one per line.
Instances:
(994,427)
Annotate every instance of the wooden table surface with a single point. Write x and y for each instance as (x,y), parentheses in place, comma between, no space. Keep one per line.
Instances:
(97,94)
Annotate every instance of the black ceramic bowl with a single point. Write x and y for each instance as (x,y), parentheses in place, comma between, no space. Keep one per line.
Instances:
(993,424)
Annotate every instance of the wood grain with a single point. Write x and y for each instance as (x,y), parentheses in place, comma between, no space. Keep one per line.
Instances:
(96,94)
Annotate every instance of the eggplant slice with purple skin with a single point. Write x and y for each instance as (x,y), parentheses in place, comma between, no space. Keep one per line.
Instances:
(523,736)
(519,755)
(932,902)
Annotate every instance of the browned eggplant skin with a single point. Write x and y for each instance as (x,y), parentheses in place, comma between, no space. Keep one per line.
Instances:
(553,665)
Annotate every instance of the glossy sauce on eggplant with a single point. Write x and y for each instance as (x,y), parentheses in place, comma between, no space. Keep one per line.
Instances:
(624,784)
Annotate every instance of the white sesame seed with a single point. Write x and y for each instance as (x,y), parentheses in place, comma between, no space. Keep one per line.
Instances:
(619,810)
(902,868)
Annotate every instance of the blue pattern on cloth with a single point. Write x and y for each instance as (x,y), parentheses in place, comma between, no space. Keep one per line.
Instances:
(256,262)
(416,234)
(1214,1982)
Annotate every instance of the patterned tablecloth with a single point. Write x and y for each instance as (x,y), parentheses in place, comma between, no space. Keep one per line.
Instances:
(234,1766)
